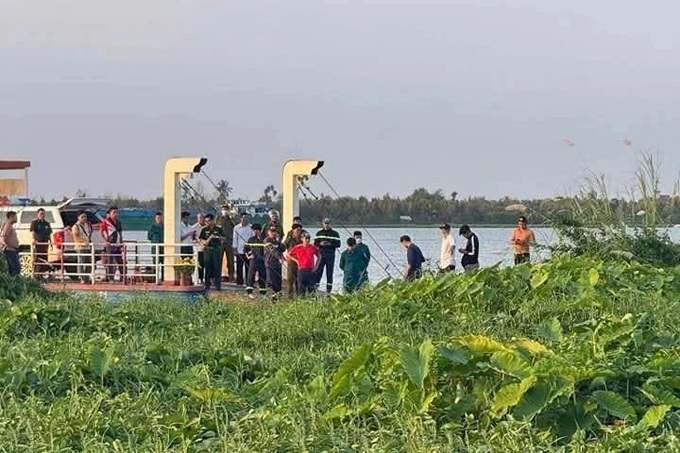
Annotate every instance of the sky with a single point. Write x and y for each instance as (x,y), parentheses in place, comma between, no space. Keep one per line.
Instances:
(475,97)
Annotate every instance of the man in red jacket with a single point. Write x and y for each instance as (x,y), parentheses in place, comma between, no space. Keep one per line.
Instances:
(305,256)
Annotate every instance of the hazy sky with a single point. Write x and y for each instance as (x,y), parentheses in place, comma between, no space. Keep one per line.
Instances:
(472,96)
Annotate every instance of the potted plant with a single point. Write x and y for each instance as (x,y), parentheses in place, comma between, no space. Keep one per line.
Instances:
(185,268)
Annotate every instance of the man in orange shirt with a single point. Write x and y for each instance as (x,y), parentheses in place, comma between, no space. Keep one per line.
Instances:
(521,239)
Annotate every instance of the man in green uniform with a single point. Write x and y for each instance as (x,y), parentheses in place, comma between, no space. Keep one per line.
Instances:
(294,238)
(212,238)
(227,224)
(353,266)
(365,253)
(273,222)
(155,236)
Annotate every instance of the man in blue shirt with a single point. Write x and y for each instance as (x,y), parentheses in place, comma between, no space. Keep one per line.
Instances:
(414,258)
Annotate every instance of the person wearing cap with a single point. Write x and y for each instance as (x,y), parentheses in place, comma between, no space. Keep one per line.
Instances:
(225,221)
(273,221)
(305,256)
(242,232)
(254,252)
(470,259)
(447,261)
(294,238)
(365,253)
(186,236)
(414,259)
(212,238)
(352,265)
(522,238)
(273,260)
(328,241)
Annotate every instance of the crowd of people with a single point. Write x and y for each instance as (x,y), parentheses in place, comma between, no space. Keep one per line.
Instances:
(254,255)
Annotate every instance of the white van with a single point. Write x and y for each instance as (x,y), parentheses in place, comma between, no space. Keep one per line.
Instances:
(59,217)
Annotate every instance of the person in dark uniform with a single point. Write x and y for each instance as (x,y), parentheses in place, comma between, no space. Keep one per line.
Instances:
(273,222)
(273,257)
(328,241)
(212,238)
(42,237)
(227,224)
(294,238)
(254,252)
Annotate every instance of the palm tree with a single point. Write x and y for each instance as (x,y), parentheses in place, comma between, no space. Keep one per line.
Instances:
(224,190)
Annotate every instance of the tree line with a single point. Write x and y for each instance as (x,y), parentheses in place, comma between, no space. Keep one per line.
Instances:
(424,207)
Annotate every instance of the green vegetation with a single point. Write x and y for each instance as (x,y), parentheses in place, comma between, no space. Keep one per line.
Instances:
(572,353)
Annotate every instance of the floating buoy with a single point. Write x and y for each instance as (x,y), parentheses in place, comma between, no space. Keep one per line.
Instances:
(568,142)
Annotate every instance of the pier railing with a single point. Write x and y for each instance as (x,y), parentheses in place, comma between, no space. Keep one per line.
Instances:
(133,262)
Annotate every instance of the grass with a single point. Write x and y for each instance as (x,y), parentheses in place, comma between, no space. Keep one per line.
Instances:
(396,368)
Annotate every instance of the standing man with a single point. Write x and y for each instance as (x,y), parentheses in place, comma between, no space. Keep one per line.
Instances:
(242,232)
(328,241)
(42,238)
(352,265)
(273,221)
(254,251)
(447,260)
(187,234)
(522,238)
(293,238)
(304,256)
(227,225)
(198,227)
(82,238)
(414,259)
(470,259)
(365,253)
(111,232)
(212,238)
(9,244)
(273,259)
(155,235)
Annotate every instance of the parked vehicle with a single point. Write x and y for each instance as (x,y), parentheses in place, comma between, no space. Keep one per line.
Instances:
(61,217)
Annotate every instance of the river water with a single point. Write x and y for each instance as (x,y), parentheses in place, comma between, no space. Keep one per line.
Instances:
(389,257)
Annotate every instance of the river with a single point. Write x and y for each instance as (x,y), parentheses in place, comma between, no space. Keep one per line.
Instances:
(389,257)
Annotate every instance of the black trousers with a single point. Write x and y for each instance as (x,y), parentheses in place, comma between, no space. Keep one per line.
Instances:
(256,267)
(40,261)
(306,281)
(522,258)
(326,261)
(242,267)
(201,265)
(274,279)
(213,267)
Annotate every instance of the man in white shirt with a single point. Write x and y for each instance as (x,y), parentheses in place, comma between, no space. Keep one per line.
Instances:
(187,234)
(447,261)
(198,227)
(242,232)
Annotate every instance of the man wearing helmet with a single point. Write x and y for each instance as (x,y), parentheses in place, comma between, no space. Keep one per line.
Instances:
(273,222)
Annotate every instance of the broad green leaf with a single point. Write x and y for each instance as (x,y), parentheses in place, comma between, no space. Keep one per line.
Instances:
(478,344)
(510,395)
(654,416)
(337,412)
(539,278)
(593,276)
(531,347)
(354,362)
(416,362)
(550,330)
(615,404)
(427,401)
(457,355)
(100,361)
(508,363)
(659,395)
(533,401)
